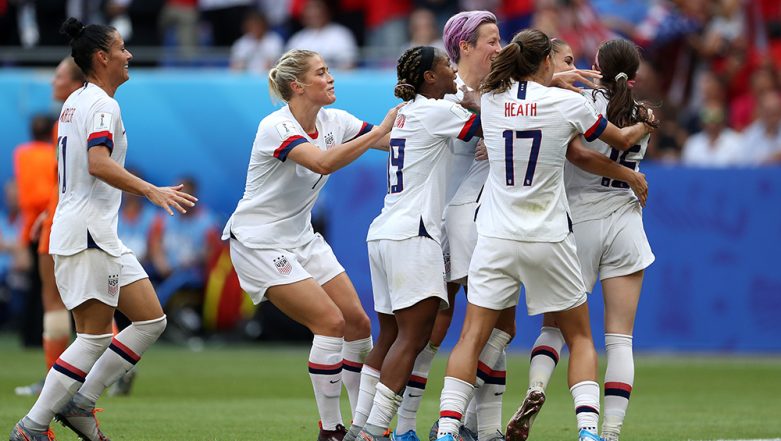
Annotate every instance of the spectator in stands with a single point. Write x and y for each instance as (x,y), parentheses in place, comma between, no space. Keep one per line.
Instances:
(181,18)
(135,225)
(423,30)
(716,145)
(180,245)
(762,139)
(224,17)
(386,25)
(332,41)
(14,260)
(259,48)
(743,108)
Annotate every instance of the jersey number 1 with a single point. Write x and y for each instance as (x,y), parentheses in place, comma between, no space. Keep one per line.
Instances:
(509,166)
(62,143)
(396,159)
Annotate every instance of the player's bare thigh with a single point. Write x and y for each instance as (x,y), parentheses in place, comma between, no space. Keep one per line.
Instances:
(307,303)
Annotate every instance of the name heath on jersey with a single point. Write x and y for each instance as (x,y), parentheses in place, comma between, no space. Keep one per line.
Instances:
(520,109)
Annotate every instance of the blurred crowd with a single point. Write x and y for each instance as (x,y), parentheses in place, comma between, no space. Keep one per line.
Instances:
(711,73)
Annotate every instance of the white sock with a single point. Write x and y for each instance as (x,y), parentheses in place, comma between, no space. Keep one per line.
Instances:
(325,371)
(470,417)
(123,353)
(544,357)
(66,376)
(369,379)
(456,394)
(619,378)
(413,394)
(353,354)
(386,402)
(489,400)
(586,397)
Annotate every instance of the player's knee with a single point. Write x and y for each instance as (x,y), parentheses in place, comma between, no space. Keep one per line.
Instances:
(151,329)
(56,324)
(359,324)
(331,325)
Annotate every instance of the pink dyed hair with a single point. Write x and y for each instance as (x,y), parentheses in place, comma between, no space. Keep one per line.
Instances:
(463,27)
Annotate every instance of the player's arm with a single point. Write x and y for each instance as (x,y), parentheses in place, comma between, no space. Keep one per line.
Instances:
(600,165)
(383,144)
(327,162)
(625,137)
(107,170)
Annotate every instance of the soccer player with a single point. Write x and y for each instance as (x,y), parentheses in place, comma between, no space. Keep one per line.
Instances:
(611,242)
(523,225)
(56,319)
(405,256)
(95,272)
(277,255)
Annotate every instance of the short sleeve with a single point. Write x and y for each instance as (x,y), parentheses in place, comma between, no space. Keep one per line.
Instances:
(351,126)
(102,124)
(277,137)
(580,112)
(450,120)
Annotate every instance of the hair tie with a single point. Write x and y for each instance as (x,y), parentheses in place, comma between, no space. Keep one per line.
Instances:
(621,75)
(81,31)
(405,85)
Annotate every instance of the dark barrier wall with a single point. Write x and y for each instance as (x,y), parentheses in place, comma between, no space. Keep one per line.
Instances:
(715,285)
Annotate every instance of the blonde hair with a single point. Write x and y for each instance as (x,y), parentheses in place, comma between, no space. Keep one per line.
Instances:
(291,67)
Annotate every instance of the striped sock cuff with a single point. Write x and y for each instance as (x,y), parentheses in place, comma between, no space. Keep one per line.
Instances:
(69,370)
(582,409)
(618,389)
(450,414)
(325,369)
(547,351)
(417,381)
(124,352)
(490,376)
(352,366)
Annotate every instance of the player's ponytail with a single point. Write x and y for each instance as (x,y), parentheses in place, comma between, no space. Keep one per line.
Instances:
(85,40)
(519,59)
(290,68)
(618,61)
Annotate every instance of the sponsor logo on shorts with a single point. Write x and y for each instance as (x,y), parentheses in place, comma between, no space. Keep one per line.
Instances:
(113,284)
(283,266)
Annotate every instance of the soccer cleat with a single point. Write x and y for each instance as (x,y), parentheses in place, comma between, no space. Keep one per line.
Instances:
(366,436)
(22,433)
(352,433)
(587,435)
(337,434)
(82,422)
(30,390)
(123,385)
(409,435)
(520,424)
(449,437)
(464,434)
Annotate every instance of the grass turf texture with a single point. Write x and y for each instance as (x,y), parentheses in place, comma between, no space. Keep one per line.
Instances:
(264,393)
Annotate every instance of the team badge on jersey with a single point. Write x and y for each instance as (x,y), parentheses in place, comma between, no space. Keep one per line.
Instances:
(283,266)
(101,122)
(400,120)
(113,284)
(329,141)
(286,129)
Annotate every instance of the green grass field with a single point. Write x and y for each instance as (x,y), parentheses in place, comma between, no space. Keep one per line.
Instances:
(263,393)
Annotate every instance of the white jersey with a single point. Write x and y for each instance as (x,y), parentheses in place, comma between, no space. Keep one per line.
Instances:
(275,210)
(595,197)
(417,168)
(527,130)
(467,176)
(88,209)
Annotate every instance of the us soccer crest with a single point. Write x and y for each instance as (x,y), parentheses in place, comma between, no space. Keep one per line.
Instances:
(113,284)
(329,141)
(283,266)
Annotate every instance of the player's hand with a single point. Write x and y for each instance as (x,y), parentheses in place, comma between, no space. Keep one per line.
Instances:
(639,185)
(387,123)
(471,99)
(168,197)
(35,229)
(481,152)
(651,118)
(567,80)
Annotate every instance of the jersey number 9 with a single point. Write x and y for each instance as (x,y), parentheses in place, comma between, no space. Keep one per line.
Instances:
(396,159)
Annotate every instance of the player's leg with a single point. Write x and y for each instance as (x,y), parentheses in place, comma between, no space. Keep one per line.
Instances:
(621,295)
(491,377)
(414,330)
(370,374)
(416,386)
(357,333)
